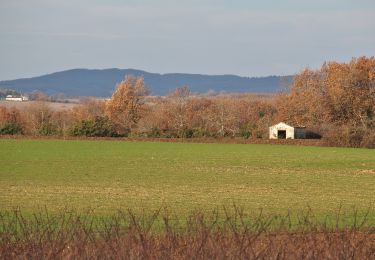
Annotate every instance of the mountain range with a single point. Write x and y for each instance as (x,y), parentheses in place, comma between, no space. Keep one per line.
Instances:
(101,83)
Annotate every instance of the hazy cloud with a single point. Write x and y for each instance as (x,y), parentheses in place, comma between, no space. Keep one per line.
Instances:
(206,36)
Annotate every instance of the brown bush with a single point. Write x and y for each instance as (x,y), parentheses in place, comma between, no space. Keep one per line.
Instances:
(368,140)
(89,109)
(159,236)
(349,136)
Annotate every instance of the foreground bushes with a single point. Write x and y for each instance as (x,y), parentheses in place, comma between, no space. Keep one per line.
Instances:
(159,236)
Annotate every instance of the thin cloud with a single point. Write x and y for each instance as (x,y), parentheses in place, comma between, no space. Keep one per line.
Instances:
(203,36)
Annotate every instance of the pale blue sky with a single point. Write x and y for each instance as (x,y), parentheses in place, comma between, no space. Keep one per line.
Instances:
(244,37)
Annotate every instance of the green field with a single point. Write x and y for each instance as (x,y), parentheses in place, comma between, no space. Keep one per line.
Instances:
(110,175)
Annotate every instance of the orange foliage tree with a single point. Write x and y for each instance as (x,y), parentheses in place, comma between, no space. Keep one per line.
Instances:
(125,108)
(338,96)
(337,93)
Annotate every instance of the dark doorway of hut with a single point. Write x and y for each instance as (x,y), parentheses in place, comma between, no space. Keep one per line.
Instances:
(281,134)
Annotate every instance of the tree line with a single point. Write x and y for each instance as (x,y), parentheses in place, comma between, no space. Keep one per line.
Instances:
(336,101)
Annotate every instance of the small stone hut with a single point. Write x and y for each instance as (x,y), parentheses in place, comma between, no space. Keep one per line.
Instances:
(284,131)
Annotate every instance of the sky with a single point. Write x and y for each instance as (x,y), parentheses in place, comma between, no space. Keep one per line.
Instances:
(242,37)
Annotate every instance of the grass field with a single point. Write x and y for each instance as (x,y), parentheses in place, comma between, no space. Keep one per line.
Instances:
(55,106)
(110,175)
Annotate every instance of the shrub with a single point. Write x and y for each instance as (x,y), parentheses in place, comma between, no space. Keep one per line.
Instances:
(185,133)
(349,136)
(369,140)
(260,133)
(48,129)
(311,134)
(11,129)
(246,130)
(99,127)
(154,132)
(199,132)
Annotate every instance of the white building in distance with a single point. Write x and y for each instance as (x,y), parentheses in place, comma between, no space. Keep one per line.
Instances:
(12,98)
(284,131)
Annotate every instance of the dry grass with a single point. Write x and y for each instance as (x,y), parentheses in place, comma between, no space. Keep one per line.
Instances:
(55,106)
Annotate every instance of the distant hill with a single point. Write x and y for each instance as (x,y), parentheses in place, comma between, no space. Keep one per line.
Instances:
(101,83)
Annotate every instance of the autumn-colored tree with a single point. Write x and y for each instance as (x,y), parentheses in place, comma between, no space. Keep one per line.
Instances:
(11,121)
(338,93)
(201,116)
(3,115)
(155,120)
(126,105)
(89,109)
(299,107)
(198,116)
(338,98)
(253,117)
(177,107)
(222,118)
(39,119)
(350,91)
(62,121)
